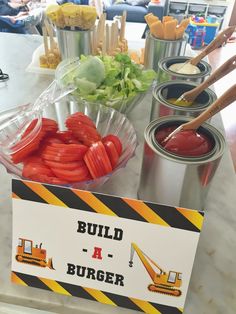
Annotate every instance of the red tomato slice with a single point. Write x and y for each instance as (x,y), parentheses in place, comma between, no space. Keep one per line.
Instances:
(102,157)
(69,151)
(67,137)
(76,175)
(84,133)
(93,167)
(48,179)
(47,125)
(34,159)
(111,152)
(51,140)
(97,160)
(79,117)
(70,148)
(25,151)
(31,169)
(116,141)
(60,158)
(63,165)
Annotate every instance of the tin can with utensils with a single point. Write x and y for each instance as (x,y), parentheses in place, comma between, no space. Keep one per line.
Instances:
(161,105)
(165,74)
(157,49)
(176,180)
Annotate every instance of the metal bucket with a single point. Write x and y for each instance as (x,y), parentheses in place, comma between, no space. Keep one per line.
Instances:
(162,107)
(174,180)
(74,43)
(157,49)
(164,74)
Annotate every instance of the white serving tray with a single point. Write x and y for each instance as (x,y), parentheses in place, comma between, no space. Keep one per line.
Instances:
(34,66)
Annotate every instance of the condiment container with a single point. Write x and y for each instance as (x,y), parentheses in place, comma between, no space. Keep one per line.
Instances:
(173,89)
(165,74)
(157,49)
(174,180)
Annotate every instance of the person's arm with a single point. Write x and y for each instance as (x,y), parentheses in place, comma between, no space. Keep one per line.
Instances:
(21,2)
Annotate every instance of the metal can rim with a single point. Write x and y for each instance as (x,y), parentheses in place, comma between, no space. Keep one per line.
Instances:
(218,136)
(162,67)
(184,38)
(156,93)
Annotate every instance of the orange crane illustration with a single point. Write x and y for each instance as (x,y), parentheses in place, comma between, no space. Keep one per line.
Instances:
(27,253)
(163,282)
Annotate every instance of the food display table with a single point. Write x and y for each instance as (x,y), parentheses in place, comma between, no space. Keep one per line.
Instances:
(212,286)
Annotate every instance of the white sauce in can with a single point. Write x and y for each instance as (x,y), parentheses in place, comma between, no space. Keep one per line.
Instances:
(184,68)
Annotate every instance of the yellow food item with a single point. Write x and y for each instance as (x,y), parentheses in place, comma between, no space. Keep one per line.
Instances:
(168,28)
(142,56)
(157,30)
(51,60)
(72,15)
(184,23)
(181,103)
(167,18)
(179,32)
(54,13)
(43,63)
(150,19)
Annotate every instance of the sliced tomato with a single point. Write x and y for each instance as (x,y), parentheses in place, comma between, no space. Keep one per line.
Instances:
(111,152)
(85,134)
(51,140)
(63,165)
(93,167)
(116,141)
(64,152)
(33,159)
(79,117)
(48,179)
(70,148)
(31,169)
(97,160)
(48,125)
(75,175)
(25,151)
(67,137)
(60,158)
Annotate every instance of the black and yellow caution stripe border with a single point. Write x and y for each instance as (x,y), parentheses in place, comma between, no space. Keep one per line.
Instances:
(175,217)
(93,294)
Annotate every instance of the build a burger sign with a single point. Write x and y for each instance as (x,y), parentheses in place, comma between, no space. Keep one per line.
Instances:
(113,250)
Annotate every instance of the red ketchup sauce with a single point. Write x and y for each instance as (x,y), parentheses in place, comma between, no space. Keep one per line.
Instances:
(188,143)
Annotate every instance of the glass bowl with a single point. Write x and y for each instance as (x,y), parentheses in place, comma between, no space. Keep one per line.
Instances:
(107,121)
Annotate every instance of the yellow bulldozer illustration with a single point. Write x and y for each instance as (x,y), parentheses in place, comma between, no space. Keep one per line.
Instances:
(27,253)
(163,282)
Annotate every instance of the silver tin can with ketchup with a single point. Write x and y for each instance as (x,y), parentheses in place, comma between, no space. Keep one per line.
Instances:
(161,95)
(165,74)
(176,180)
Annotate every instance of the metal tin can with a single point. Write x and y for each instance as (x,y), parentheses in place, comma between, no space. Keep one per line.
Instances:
(162,107)
(174,180)
(164,74)
(157,49)
(74,43)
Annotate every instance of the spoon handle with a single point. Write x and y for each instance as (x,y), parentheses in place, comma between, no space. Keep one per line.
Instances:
(223,70)
(226,99)
(218,41)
